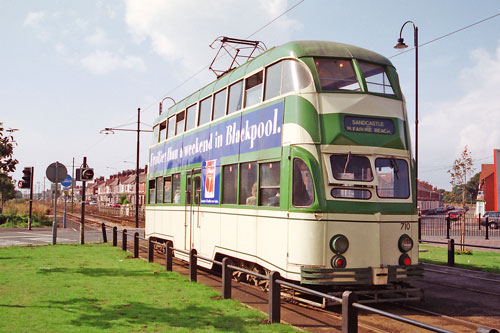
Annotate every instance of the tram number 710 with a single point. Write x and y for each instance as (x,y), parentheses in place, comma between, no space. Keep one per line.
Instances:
(405,225)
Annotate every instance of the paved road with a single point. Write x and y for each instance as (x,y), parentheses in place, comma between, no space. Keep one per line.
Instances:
(43,236)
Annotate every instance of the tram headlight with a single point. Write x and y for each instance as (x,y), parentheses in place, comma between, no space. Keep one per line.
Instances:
(404,260)
(339,244)
(405,243)
(338,261)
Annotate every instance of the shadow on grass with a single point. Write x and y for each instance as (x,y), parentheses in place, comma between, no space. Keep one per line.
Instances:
(96,272)
(96,313)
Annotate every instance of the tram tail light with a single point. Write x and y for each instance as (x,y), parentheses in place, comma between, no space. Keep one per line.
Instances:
(338,261)
(404,260)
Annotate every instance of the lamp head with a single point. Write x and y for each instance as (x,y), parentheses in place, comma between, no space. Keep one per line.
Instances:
(401,44)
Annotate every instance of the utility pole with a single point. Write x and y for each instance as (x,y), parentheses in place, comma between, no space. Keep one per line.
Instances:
(82,234)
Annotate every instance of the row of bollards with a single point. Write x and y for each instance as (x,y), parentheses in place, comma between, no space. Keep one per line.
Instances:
(349,299)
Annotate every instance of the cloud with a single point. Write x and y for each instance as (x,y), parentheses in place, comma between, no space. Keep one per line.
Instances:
(183,29)
(103,62)
(98,38)
(470,120)
(33,19)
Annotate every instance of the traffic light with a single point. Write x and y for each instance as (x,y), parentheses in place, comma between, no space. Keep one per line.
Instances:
(26,182)
(84,174)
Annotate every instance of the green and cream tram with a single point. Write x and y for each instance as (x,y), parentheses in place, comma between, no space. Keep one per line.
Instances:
(298,161)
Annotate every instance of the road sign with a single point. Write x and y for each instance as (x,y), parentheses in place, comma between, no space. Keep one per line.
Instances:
(56,172)
(67,181)
(20,184)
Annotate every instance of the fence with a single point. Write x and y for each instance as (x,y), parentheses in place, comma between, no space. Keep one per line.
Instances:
(443,226)
(348,301)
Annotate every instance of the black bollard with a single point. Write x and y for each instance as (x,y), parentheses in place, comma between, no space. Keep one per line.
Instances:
(115,236)
(124,240)
(193,263)
(349,312)
(487,228)
(226,278)
(168,255)
(104,235)
(274,298)
(136,245)
(451,252)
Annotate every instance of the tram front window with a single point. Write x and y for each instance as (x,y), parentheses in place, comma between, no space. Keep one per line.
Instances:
(351,167)
(336,75)
(376,78)
(392,174)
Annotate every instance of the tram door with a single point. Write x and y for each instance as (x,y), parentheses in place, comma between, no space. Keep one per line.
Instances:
(192,216)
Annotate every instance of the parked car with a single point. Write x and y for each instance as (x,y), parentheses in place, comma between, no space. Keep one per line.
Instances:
(441,210)
(431,211)
(448,208)
(493,219)
(93,203)
(116,205)
(454,214)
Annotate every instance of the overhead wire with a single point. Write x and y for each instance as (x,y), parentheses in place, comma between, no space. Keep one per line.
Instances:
(446,35)
(194,75)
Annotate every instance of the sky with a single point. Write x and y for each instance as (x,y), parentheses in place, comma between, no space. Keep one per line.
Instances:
(69,69)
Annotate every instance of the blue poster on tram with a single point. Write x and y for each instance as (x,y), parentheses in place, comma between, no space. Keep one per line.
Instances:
(250,132)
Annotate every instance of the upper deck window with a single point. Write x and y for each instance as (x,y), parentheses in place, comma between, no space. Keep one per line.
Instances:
(351,167)
(205,111)
(171,127)
(235,97)
(376,78)
(220,104)
(180,123)
(392,174)
(336,75)
(285,76)
(191,117)
(253,89)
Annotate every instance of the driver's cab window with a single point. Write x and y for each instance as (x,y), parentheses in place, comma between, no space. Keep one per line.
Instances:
(303,187)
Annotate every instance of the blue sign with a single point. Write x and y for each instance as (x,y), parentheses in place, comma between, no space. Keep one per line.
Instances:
(67,181)
(250,132)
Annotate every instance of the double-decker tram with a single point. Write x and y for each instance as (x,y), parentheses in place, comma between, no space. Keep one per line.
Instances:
(297,161)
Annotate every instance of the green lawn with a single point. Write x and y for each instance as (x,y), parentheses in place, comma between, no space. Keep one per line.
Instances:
(93,288)
(478,260)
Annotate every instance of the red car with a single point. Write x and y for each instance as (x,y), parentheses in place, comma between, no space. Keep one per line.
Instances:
(116,205)
(454,214)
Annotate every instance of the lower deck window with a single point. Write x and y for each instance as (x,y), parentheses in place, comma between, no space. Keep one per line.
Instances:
(230,184)
(248,184)
(176,187)
(152,192)
(269,184)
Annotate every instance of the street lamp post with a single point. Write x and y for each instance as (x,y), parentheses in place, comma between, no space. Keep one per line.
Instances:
(109,130)
(402,45)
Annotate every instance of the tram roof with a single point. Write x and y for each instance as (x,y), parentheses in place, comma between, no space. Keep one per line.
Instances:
(295,49)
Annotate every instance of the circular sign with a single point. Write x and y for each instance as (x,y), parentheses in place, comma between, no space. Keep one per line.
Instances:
(20,184)
(67,181)
(56,172)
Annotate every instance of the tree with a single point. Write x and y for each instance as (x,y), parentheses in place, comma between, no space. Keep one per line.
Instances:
(7,162)
(458,172)
(460,169)
(7,189)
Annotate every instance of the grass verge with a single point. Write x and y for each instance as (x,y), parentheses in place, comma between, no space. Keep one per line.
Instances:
(477,260)
(97,287)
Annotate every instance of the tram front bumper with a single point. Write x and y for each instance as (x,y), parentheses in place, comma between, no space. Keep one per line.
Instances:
(361,276)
